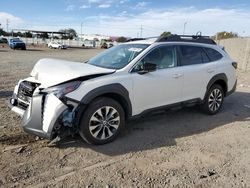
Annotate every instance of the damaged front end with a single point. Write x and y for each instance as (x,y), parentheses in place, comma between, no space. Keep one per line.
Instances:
(45,112)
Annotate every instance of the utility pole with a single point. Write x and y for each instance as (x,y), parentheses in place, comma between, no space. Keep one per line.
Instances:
(141,31)
(7,25)
(184,28)
(81,30)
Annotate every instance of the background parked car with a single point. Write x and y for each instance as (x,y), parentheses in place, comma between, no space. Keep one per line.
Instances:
(57,45)
(89,43)
(3,40)
(16,43)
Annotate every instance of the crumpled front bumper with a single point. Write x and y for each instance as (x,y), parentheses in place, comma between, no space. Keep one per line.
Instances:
(42,115)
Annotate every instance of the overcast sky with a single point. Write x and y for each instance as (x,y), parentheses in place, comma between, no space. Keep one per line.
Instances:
(129,18)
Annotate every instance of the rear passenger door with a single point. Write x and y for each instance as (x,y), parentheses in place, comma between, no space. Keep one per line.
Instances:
(197,71)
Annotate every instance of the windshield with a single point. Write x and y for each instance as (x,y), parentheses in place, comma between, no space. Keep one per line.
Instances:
(118,56)
(15,40)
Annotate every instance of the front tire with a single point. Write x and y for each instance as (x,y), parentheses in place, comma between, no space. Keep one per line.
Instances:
(102,121)
(213,100)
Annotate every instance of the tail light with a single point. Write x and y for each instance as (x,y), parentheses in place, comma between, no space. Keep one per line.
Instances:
(235,65)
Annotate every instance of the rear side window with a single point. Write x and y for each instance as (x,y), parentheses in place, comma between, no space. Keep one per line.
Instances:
(192,55)
(213,54)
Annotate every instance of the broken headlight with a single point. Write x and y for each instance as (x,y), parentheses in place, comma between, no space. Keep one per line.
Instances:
(61,90)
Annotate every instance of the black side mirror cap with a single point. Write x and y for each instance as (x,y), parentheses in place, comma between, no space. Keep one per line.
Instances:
(148,67)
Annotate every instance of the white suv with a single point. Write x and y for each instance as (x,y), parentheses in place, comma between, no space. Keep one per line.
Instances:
(95,98)
(57,45)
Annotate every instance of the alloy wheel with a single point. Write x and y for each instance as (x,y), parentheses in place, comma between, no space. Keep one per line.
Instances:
(104,122)
(215,100)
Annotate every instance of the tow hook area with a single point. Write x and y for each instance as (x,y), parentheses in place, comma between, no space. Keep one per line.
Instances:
(68,117)
(65,126)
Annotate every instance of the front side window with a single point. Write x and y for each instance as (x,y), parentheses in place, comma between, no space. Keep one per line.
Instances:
(119,56)
(192,55)
(164,57)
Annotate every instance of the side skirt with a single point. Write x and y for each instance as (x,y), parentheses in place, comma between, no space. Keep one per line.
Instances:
(179,105)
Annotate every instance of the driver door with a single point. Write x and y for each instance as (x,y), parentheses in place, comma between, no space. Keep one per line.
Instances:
(160,87)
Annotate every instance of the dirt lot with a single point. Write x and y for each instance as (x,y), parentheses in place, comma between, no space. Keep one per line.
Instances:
(182,148)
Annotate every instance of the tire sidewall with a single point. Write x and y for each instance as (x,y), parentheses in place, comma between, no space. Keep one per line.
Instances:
(87,114)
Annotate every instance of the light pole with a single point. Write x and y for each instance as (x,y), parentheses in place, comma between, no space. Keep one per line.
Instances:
(81,30)
(184,28)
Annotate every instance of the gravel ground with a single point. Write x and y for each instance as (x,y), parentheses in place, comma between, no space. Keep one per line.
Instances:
(181,148)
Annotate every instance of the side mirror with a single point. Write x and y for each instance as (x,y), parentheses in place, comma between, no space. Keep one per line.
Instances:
(148,67)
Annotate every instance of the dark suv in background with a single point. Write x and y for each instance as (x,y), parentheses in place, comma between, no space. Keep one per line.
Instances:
(16,43)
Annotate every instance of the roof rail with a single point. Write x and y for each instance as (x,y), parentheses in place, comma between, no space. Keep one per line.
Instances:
(187,38)
(135,39)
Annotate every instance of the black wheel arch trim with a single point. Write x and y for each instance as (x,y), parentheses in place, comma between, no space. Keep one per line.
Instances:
(110,89)
(217,77)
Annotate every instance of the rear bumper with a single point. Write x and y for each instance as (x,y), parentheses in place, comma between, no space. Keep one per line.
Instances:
(233,89)
(21,45)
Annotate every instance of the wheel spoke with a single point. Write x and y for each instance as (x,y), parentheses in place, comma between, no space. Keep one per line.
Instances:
(115,119)
(99,112)
(217,105)
(214,107)
(112,113)
(210,105)
(93,118)
(210,99)
(107,109)
(103,134)
(93,127)
(109,132)
(114,126)
(97,132)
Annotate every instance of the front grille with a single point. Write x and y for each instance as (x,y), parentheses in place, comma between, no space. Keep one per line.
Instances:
(25,92)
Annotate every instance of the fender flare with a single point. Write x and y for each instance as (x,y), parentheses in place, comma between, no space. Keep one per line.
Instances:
(115,88)
(221,76)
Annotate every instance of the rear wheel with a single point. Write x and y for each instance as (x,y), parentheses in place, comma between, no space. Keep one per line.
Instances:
(102,121)
(213,100)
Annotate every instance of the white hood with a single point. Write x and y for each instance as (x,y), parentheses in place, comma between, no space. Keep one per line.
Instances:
(51,72)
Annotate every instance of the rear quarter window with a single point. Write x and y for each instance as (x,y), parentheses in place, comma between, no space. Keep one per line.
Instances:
(213,54)
(191,55)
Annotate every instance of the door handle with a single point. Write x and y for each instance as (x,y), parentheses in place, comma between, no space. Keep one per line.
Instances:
(210,70)
(177,75)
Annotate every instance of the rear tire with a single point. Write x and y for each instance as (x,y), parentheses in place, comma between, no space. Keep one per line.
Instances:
(102,121)
(213,100)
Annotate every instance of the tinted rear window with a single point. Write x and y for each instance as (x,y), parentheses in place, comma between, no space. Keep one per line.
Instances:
(213,54)
(192,55)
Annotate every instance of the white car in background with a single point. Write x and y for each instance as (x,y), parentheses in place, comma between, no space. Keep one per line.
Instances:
(57,45)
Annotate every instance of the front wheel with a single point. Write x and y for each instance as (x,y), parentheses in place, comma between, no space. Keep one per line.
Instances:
(213,100)
(102,121)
